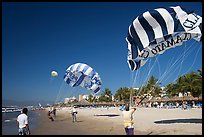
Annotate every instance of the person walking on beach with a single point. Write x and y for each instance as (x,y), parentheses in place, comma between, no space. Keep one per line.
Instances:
(22,122)
(50,116)
(54,111)
(128,119)
(74,113)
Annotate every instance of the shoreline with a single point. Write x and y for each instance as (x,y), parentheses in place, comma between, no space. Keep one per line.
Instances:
(103,121)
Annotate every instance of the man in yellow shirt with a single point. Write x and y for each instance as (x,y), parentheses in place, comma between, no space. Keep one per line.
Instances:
(128,119)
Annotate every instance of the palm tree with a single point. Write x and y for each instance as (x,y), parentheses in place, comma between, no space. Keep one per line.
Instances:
(170,90)
(153,83)
(122,94)
(180,85)
(193,84)
(200,72)
(106,96)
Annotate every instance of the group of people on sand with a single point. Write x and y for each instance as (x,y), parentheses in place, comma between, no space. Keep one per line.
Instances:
(22,119)
(52,113)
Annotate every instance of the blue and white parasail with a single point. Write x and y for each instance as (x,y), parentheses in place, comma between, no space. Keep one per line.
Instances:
(81,74)
(158,30)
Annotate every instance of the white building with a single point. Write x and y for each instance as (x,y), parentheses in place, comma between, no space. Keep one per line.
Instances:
(71,99)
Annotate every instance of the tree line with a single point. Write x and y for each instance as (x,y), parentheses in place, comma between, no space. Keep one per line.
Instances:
(191,82)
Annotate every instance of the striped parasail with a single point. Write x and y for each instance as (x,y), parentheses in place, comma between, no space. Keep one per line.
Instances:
(156,31)
(81,74)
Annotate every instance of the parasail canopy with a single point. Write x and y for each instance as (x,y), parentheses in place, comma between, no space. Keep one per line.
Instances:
(81,74)
(156,31)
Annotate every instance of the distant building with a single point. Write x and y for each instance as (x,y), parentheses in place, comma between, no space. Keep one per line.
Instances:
(136,88)
(113,98)
(163,92)
(180,94)
(80,97)
(67,100)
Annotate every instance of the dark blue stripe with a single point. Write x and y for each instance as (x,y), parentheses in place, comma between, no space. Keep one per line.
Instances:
(177,25)
(68,81)
(96,90)
(188,11)
(136,40)
(138,64)
(85,68)
(167,37)
(79,81)
(132,65)
(65,75)
(200,27)
(157,16)
(71,68)
(134,50)
(148,29)
(78,67)
(91,75)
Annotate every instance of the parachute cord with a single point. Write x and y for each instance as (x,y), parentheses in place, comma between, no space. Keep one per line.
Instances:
(59,92)
(165,73)
(75,90)
(192,63)
(171,67)
(181,61)
(143,74)
(148,74)
(135,78)
(194,60)
(179,65)
(188,53)
(158,67)
(177,60)
(145,78)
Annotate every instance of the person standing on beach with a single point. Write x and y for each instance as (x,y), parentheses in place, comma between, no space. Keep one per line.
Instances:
(128,119)
(50,116)
(22,122)
(74,113)
(54,111)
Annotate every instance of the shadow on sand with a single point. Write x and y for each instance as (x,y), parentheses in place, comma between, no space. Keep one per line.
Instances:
(191,120)
(108,115)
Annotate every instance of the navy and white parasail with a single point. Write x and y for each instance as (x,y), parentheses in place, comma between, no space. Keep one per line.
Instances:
(156,31)
(81,74)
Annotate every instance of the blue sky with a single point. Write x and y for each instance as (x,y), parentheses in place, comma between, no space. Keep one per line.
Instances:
(40,37)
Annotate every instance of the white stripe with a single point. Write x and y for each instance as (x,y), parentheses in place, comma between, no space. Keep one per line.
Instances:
(82,67)
(130,31)
(141,33)
(181,15)
(69,68)
(168,19)
(129,50)
(94,87)
(88,71)
(154,24)
(75,66)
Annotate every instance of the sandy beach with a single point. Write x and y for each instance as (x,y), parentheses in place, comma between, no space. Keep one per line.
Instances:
(103,121)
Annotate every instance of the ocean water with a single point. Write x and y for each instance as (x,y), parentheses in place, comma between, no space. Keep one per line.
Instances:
(9,123)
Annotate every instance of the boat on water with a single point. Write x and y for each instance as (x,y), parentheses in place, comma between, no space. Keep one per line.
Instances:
(11,109)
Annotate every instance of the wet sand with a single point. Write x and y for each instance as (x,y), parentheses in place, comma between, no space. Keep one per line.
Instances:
(103,121)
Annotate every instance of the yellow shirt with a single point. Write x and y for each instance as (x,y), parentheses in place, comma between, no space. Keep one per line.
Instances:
(128,118)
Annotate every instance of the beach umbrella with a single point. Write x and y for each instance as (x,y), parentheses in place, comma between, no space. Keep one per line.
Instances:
(80,74)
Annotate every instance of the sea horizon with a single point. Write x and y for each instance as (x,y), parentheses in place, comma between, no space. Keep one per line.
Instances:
(9,124)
